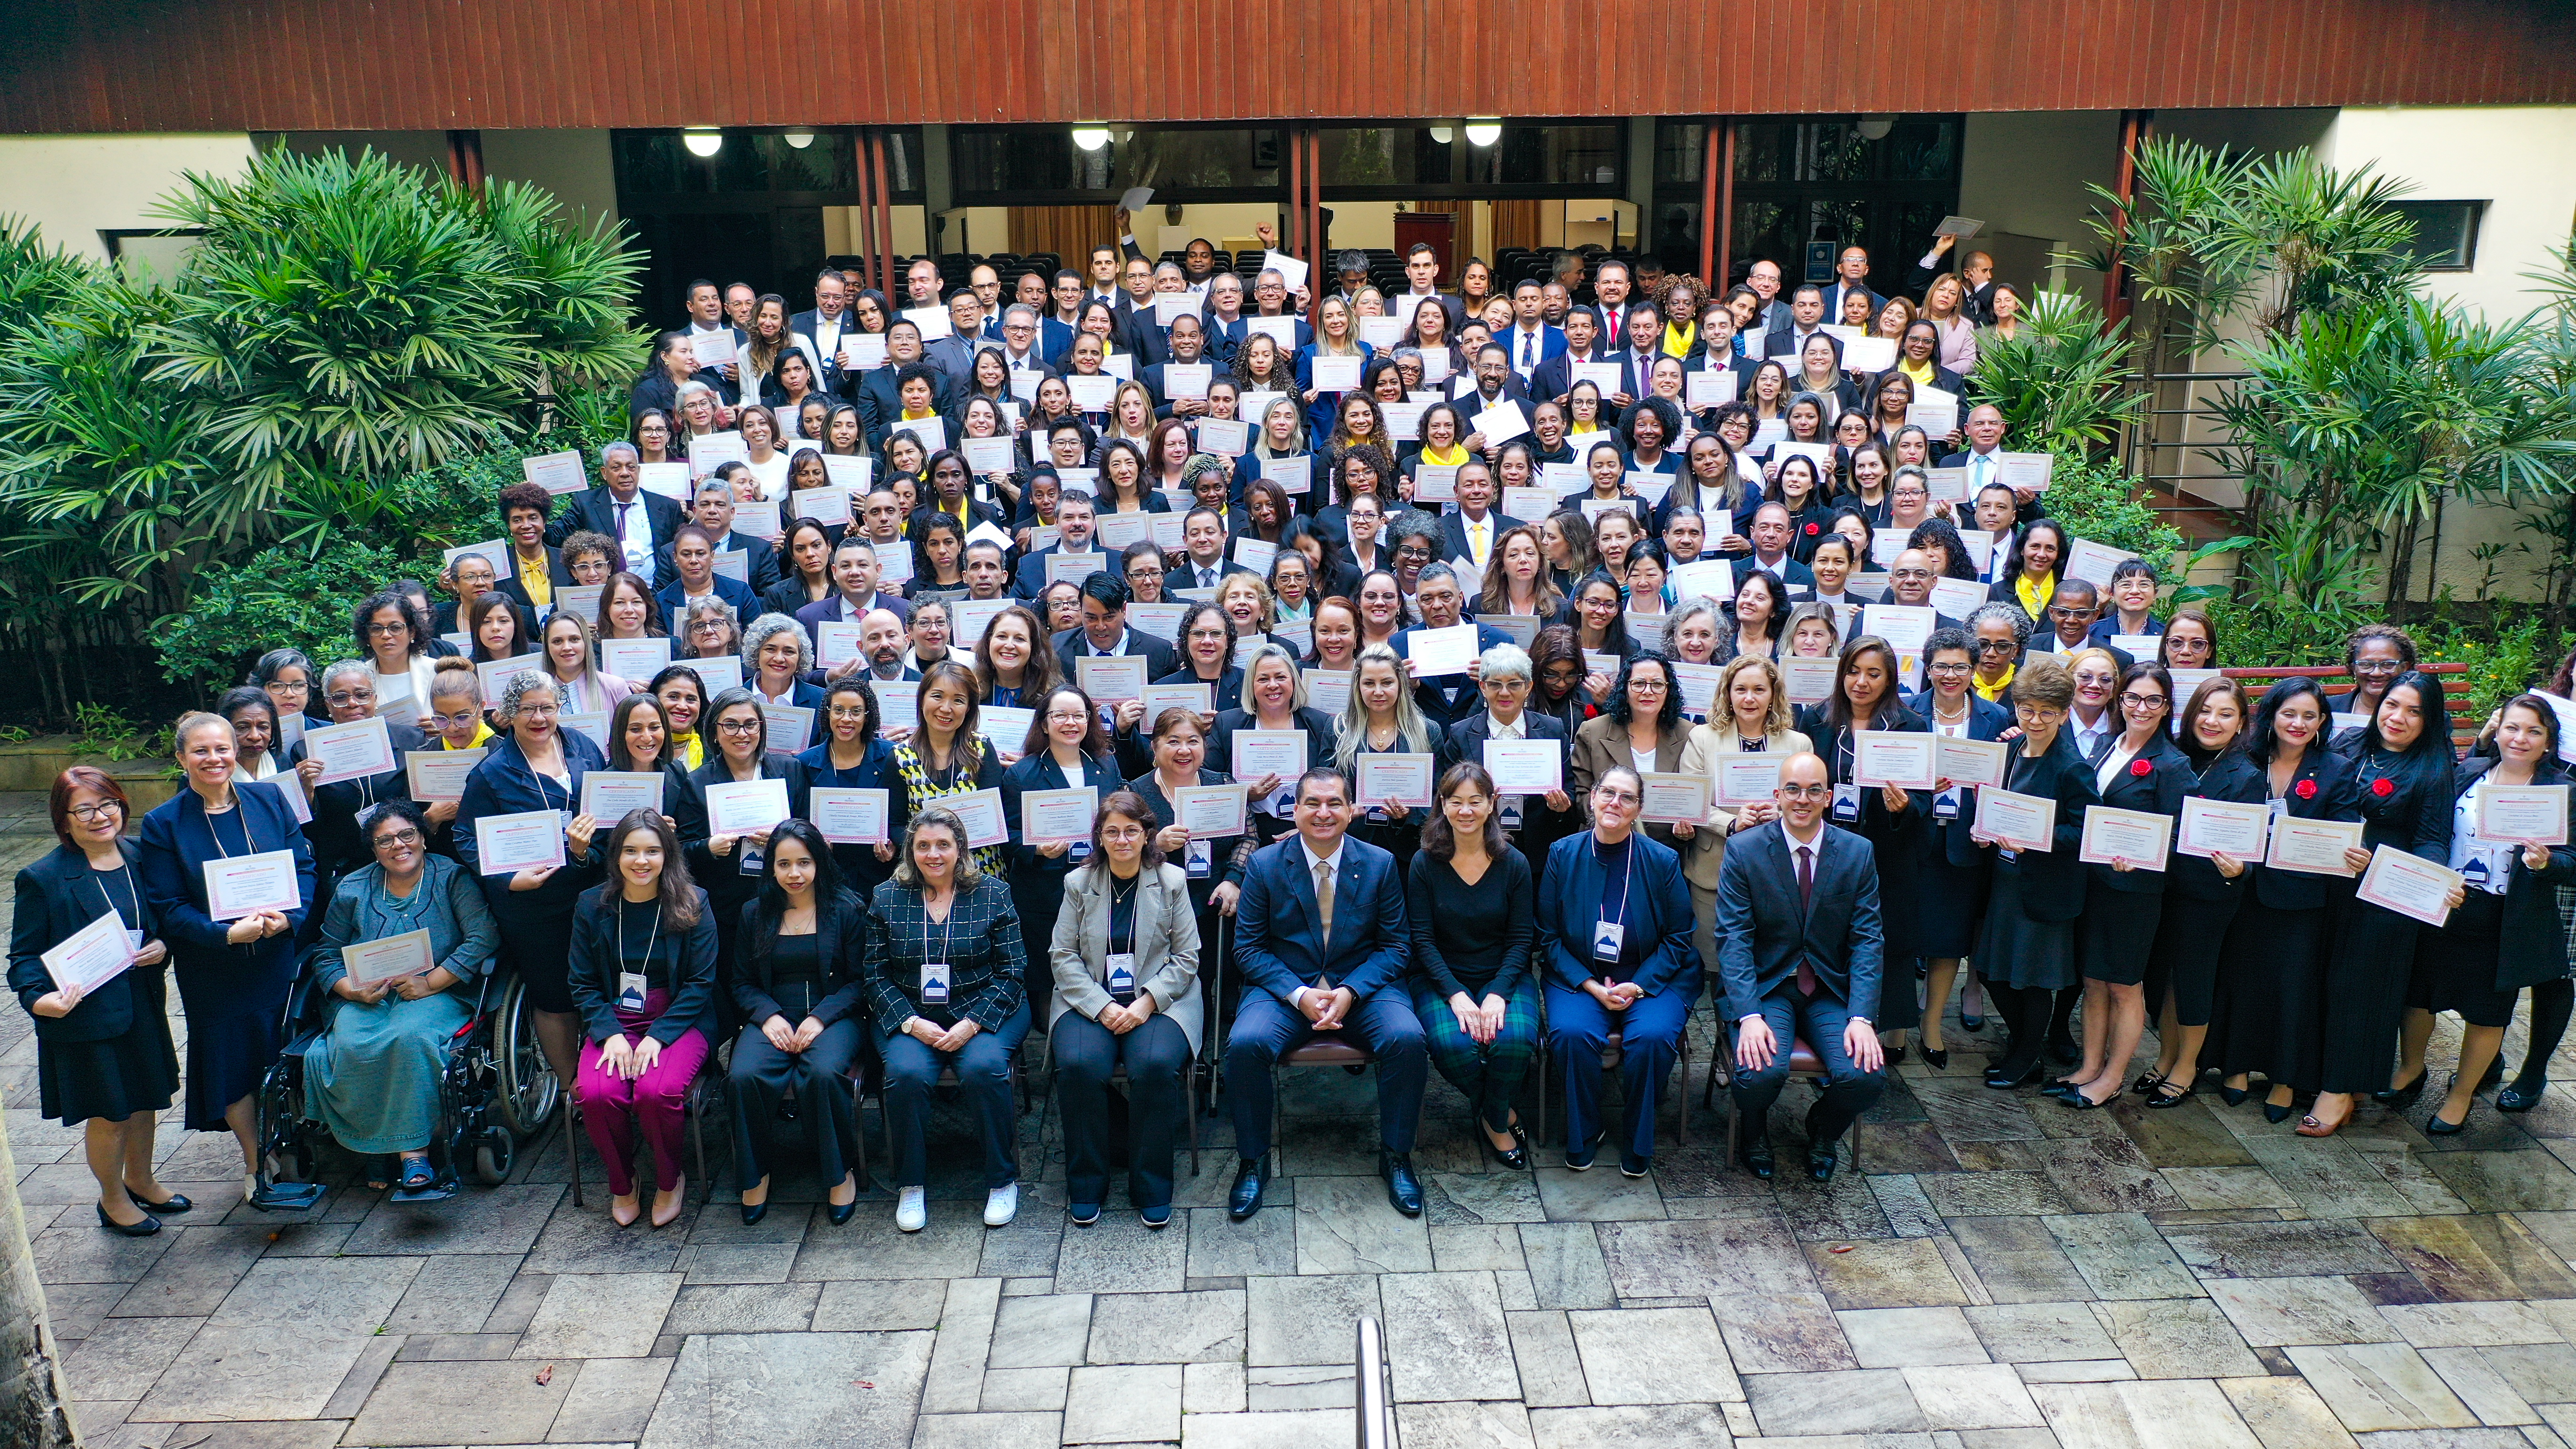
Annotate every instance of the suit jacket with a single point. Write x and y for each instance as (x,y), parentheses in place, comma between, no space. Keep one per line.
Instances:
(839,928)
(2052,880)
(1702,752)
(2335,796)
(1835,294)
(556,575)
(834,610)
(2160,791)
(593,966)
(1031,580)
(1448,698)
(58,895)
(2415,814)
(1160,658)
(1554,378)
(596,511)
(1279,942)
(805,328)
(1453,535)
(1763,932)
(763,563)
(2233,778)
(954,356)
(2534,946)
(1548,342)
(504,785)
(1166,945)
(1659,910)
(1948,839)
(880,404)
(673,597)
(1540,827)
(333,831)
(1784,342)
(216,978)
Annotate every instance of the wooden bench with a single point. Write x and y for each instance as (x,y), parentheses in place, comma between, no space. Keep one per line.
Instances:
(2334,679)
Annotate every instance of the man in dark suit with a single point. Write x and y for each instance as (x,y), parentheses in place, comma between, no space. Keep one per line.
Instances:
(693,564)
(1799,958)
(1488,383)
(714,513)
(1322,941)
(1771,541)
(854,592)
(1471,532)
(824,326)
(1203,564)
(1443,699)
(1583,343)
(1185,341)
(1530,340)
(1851,274)
(1984,426)
(1611,283)
(881,389)
(641,522)
(1073,521)
(1806,314)
(954,354)
(1505,679)
(1104,631)
(525,508)
(1055,329)
(1422,283)
(707,318)
(1643,344)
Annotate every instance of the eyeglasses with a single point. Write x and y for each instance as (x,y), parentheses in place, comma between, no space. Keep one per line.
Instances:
(854,713)
(2378,666)
(739,726)
(1947,670)
(453,721)
(2069,616)
(709,626)
(1608,796)
(1913,575)
(1647,686)
(92,814)
(387,631)
(2142,701)
(1996,646)
(1806,792)
(351,696)
(1067,716)
(404,839)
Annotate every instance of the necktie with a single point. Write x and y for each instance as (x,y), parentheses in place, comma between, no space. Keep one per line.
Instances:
(1526,363)
(1476,541)
(1806,900)
(2101,746)
(1324,898)
(1207,578)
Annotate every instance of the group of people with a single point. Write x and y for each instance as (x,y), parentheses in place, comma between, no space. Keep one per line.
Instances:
(1175,679)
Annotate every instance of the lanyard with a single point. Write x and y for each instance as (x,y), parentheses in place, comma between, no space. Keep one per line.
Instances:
(650,941)
(249,845)
(1627,874)
(136,896)
(945,926)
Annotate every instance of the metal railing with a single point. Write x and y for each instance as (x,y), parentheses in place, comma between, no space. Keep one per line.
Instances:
(1375,1399)
(2148,441)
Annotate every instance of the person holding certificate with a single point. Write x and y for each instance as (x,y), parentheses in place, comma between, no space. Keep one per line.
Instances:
(227,879)
(2402,770)
(349,689)
(639,742)
(1207,636)
(797,986)
(2202,895)
(1276,700)
(1953,874)
(104,1062)
(2026,948)
(853,757)
(1468,895)
(729,864)
(1642,728)
(536,765)
(1382,718)
(373,1078)
(2504,932)
(1505,677)
(942,969)
(394,642)
(642,970)
(2142,771)
(1754,719)
(1867,696)
(2270,969)
(1065,749)
(948,754)
(1125,955)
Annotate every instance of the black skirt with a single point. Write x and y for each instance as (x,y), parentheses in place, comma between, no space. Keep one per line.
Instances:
(2368,973)
(2116,934)
(137,1071)
(2455,967)
(1949,904)
(227,1058)
(2268,1013)
(2015,951)
(2184,961)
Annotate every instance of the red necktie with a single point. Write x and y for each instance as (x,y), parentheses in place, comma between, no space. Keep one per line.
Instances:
(1806,901)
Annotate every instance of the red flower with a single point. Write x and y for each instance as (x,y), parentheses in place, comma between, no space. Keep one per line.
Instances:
(2383,787)
(2307,790)
(2142,768)
(1813,529)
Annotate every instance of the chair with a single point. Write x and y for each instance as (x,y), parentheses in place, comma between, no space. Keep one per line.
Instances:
(703,1088)
(1612,1053)
(1316,1051)
(1118,1075)
(1803,1063)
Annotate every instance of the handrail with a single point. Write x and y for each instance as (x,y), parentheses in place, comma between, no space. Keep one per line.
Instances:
(1375,1398)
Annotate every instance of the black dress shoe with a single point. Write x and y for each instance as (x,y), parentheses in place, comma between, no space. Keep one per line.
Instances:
(2494,1072)
(1517,1158)
(1820,1164)
(2516,1098)
(1756,1157)
(2232,1096)
(839,1212)
(753,1212)
(178,1203)
(2063,1051)
(1245,1200)
(1937,1057)
(2404,1097)
(2279,1113)
(1403,1188)
(143,1229)
(2003,1081)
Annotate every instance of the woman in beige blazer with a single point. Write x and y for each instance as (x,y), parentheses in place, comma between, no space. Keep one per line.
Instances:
(1643,715)
(1126,966)
(1751,717)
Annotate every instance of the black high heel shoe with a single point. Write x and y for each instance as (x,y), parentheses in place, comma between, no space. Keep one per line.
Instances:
(143,1229)
(1937,1058)
(1518,1158)
(2402,1098)
(2280,1113)
(177,1203)
(2232,1096)
(2434,1126)
(1997,1078)
(2515,1098)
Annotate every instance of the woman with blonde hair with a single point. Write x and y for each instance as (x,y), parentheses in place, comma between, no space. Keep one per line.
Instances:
(1750,716)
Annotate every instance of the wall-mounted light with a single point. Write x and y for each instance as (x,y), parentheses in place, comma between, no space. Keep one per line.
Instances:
(1091,138)
(1441,134)
(1875,128)
(702,140)
(1484,130)
(800,139)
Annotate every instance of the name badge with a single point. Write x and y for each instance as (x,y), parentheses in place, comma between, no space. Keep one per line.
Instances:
(630,991)
(934,983)
(1511,812)
(1202,859)
(1945,806)
(1077,851)
(1122,976)
(753,860)
(1607,938)
(2477,876)
(1847,803)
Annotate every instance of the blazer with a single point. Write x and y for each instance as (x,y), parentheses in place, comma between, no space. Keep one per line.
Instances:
(1948,839)
(1279,943)
(556,575)
(593,967)
(806,328)
(1227,691)
(981,938)
(1785,342)
(2160,791)
(58,895)
(1041,772)
(1603,742)
(1227,860)
(2053,879)
(1553,378)
(2405,802)
(835,610)
(1762,933)
(1448,698)
(1031,580)
(1547,342)
(2534,944)
(2336,797)
(1835,294)
(2237,780)
(217,979)
(596,511)
(880,404)
(1453,533)
(722,875)
(840,925)
(1702,750)
(1166,946)
(1541,827)
(1160,658)
(1320,730)
(1659,908)
(746,603)
(762,565)
(860,867)
(504,785)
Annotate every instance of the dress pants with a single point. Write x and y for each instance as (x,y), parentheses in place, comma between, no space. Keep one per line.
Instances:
(1489,1073)
(762,1076)
(612,1108)
(1578,1031)
(1086,1053)
(1819,1020)
(1267,1028)
(983,1073)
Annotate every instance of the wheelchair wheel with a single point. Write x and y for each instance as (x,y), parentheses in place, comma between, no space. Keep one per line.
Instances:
(493,1156)
(529,1088)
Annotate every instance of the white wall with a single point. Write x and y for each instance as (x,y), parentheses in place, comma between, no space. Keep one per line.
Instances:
(74,187)
(2520,160)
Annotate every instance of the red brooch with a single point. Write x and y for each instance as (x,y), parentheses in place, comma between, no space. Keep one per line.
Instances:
(2383,788)
(1813,529)
(2307,790)
(2142,768)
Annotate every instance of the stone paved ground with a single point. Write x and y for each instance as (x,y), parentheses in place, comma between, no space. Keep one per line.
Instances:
(2011,1275)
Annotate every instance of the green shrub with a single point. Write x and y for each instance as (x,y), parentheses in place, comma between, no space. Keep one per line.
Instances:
(283,597)
(2099,502)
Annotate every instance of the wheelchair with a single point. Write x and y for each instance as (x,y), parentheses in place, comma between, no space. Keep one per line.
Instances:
(494,1088)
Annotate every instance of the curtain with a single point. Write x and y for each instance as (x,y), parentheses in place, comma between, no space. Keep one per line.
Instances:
(1068,231)
(1515,225)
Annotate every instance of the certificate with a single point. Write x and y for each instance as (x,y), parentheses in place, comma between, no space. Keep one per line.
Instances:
(1295,476)
(1170,307)
(1748,779)
(1903,758)
(2140,837)
(388,958)
(1869,354)
(1403,420)
(1906,626)
(1196,698)
(852,473)
(1049,817)
(897,709)
(830,504)
(1291,270)
(848,816)
(1384,332)
(1969,762)
(2027,470)
(1435,482)
(989,455)
(1268,752)
(734,564)
(791,727)
(715,675)
(710,451)
(496,674)
(1331,373)
(2023,822)
(741,807)
(1187,381)
(671,480)
(1702,578)
(96,952)
(1709,388)
(531,840)
(291,786)
(1395,780)
(1221,436)
(1254,554)
(2312,847)
(969,618)
(239,885)
(435,775)
(350,751)
(2409,885)
(1810,681)
(2523,814)
(1957,597)
(581,601)
(836,641)
(2223,827)
(635,659)
(1328,690)
(1208,812)
(1698,684)
(866,349)
(1163,621)
(1111,679)
(980,811)
(1437,653)
(557,473)
(589,722)
(1885,544)
(1500,423)
(931,321)
(1525,767)
(1675,799)
(712,349)
(608,796)
(1006,726)
(2093,562)
(1091,392)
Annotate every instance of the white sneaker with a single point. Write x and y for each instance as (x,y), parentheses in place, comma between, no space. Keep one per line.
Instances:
(912,1210)
(1001,1205)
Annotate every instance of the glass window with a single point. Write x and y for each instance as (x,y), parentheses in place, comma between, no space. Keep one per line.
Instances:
(1583,159)
(1014,161)
(2446,232)
(658,163)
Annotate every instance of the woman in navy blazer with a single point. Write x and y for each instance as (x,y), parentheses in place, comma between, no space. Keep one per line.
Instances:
(104,1061)
(850,756)
(2271,970)
(776,656)
(729,868)
(536,764)
(2143,771)
(234,976)
(1866,697)
(1062,751)
(2026,948)
(1950,872)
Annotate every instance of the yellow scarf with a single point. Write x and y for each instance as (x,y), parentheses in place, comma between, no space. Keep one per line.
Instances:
(1992,692)
(2034,601)
(482,732)
(688,749)
(1449,458)
(1921,372)
(1678,337)
(534,579)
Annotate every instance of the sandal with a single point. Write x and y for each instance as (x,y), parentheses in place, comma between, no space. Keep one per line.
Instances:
(2165,1093)
(416,1173)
